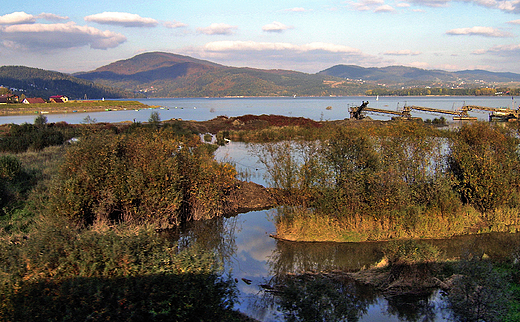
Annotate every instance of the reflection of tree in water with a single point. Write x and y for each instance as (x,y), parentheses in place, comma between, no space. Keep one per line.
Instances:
(478,293)
(299,257)
(413,307)
(217,235)
(323,298)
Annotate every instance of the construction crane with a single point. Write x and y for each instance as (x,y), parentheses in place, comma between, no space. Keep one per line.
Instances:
(503,114)
(357,112)
(460,115)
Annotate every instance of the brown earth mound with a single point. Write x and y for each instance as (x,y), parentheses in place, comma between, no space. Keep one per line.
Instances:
(249,122)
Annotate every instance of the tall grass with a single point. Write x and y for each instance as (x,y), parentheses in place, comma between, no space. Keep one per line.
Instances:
(400,180)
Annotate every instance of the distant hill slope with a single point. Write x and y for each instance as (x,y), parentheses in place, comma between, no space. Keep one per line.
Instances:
(153,61)
(402,74)
(34,82)
(159,74)
(488,76)
(169,75)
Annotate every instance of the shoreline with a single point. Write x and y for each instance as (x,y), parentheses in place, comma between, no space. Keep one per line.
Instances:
(70,107)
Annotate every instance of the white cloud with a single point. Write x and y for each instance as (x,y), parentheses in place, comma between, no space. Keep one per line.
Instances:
(479,52)
(122,19)
(514,22)
(227,46)
(174,24)
(502,50)
(402,53)
(51,17)
(372,5)
(275,26)
(297,9)
(16,18)
(310,57)
(384,8)
(479,31)
(218,29)
(419,64)
(59,36)
(431,3)
(448,67)
(504,5)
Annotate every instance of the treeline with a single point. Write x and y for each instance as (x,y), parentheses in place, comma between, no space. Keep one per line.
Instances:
(400,180)
(422,91)
(34,82)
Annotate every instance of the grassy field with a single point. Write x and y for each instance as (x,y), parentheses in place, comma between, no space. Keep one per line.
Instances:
(70,107)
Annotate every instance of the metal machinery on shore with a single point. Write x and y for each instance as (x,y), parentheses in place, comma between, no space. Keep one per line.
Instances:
(497,114)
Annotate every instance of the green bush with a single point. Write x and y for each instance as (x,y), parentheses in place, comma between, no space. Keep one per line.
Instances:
(10,166)
(59,273)
(411,252)
(479,293)
(145,176)
(485,164)
(31,137)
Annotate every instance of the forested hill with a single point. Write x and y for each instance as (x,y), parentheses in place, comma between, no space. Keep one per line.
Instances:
(169,75)
(160,74)
(34,82)
(392,75)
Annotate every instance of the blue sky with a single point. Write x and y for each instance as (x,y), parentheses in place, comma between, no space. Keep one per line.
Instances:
(308,36)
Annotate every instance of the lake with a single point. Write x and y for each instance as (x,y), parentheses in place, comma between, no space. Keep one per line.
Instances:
(316,108)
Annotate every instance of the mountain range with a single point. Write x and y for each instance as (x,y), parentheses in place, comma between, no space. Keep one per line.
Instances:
(160,74)
(170,75)
(35,82)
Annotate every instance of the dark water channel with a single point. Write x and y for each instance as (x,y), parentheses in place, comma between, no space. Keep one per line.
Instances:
(255,260)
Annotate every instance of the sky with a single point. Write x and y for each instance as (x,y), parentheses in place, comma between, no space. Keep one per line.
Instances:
(302,35)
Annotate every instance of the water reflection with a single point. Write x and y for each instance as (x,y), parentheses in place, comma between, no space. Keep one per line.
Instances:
(215,235)
(314,298)
(260,265)
(424,307)
(299,257)
(277,280)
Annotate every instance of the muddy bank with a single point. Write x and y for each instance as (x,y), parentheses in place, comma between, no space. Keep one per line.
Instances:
(249,196)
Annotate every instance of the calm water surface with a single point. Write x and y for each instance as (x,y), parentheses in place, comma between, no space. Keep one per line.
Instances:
(316,108)
(251,254)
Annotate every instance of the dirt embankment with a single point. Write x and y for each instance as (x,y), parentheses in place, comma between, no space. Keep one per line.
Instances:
(249,122)
(249,196)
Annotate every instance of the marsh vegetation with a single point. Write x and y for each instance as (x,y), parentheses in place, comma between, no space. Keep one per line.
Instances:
(79,217)
(395,181)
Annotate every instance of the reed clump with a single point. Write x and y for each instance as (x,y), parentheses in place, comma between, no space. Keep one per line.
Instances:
(397,181)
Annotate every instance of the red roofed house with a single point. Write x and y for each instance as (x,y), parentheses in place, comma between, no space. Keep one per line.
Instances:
(58,98)
(33,100)
(8,98)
